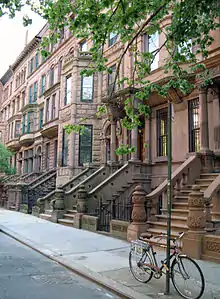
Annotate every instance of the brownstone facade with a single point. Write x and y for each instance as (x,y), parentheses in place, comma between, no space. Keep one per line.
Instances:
(40,96)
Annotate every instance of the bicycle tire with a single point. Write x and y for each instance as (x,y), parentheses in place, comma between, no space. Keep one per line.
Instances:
(150,275)
(185,259)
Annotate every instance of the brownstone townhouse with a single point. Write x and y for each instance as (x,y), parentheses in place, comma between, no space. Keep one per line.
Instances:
(78,180)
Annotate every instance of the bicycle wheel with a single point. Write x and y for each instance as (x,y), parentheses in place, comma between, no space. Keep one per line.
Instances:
(187,278)
(138,270)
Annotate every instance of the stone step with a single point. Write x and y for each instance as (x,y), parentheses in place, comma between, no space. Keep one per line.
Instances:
(180,205)
(69,216)
(74,211)
(180,220)
(13,208)
(176,227)
(177,212)
(185,191)
(203,187)
(181,198)
(204,181)
(158,243)
(65,222)
(209,175)
(45,216)
(49,212)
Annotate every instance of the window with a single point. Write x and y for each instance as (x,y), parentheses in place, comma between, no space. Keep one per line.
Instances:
(36,60)
(43,84)
(65,149)
(85,146)
(186,48)
(52,77)
(68,90)
(53,106)
(41,117)
(47,109)
(12,130)
(31,65)
(111,79)
(24,124)
(47,156)
(30,94)
(153,46)
(194,125)
(26,161)
(84,46)
(30,122)
(17,129)
(87,88)
(162,123)
(112,39)
(35,91)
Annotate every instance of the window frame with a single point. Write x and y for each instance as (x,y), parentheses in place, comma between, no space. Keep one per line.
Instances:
(53,106)
(112,40)
(17,131)
(67,93)
(82,88)
(162,138)
(52,76)
(65,149)
(35,91)
(193,131)
(90,146)
(41,117)
(43,86)
(30,94)
(36,60)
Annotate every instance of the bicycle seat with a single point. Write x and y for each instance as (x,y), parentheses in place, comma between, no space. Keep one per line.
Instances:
(145,236)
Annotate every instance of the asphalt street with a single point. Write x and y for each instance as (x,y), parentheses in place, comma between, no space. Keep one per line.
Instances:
(26,274)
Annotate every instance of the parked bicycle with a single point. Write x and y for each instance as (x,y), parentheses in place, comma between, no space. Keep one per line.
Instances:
(185,273)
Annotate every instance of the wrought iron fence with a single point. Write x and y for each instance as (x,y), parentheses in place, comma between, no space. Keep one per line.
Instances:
(117,209)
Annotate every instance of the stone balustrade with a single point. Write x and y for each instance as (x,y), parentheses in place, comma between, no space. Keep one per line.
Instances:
(185,174)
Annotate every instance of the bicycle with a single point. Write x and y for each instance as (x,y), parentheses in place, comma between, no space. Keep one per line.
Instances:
(146,263)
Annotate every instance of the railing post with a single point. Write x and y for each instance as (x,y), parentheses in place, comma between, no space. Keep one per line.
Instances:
(82,197)
(57,204)
(139,216)
(196,221)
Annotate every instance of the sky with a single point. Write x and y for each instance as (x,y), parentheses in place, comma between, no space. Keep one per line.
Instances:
(12,37)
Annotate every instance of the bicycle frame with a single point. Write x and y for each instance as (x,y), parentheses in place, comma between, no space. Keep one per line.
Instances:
(155,267)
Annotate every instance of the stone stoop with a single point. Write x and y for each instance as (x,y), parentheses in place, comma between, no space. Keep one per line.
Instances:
(68,218)
(47,215)
(179,211)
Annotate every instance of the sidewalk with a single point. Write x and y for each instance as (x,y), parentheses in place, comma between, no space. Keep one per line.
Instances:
(100,258)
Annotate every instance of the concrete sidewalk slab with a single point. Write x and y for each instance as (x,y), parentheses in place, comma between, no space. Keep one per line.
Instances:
(100,258)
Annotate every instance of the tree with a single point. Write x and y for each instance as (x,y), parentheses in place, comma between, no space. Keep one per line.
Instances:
(5,155)
(192,23)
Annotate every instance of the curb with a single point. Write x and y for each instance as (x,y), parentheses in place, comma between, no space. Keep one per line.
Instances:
(117,288)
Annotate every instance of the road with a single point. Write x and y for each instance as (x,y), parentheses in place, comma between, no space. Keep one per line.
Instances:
(26,274)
